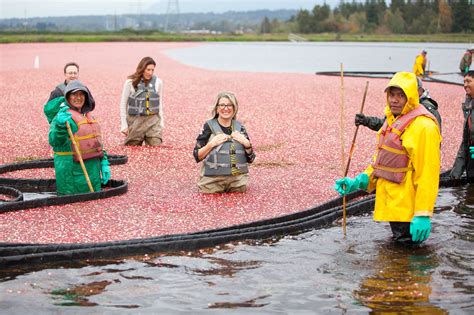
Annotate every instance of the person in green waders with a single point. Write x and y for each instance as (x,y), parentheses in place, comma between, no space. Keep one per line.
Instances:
(406,167)
(76,109)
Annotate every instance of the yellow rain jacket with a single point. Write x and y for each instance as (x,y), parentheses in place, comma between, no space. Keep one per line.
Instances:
(416,194)
(419,66)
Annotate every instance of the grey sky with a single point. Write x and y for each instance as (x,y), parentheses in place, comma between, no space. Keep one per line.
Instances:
(43,8)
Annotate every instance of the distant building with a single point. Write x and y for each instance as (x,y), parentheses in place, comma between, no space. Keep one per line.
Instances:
(202,32)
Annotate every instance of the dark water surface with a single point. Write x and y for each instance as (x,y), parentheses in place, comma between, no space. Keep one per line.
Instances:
(314,272)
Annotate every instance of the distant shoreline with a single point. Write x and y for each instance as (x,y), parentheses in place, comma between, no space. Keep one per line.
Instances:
(152,36)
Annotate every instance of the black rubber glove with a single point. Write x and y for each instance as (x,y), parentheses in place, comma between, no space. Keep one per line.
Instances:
(361,119)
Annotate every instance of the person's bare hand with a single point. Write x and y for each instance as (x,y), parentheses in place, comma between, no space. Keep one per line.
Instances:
(239,137)
(219,139)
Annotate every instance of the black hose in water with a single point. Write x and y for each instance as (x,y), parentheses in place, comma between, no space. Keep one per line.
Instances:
(27,255)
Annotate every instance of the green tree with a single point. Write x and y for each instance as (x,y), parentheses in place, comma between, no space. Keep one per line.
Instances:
(346,8)
(265,26)
(410,13)
(425,23)
(462,16)
(278,26)
(303,20)
(397,5)
(358,22)
(371,11)
(395,22)
(320,14)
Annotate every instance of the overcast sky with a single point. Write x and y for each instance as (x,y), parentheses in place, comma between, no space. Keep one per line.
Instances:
(43,8)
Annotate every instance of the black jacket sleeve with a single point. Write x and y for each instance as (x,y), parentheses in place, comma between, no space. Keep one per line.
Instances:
(463,154)
(202,140)
(375,123)
(55,93)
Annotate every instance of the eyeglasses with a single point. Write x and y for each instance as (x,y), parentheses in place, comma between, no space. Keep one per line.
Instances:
(72,73)
(222,106)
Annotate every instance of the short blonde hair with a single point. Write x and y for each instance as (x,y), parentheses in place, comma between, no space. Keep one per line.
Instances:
(231,97)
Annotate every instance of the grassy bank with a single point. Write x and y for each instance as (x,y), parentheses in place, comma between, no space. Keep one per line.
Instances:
(151,36)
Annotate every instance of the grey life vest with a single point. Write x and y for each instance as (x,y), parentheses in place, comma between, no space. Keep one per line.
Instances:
(145,101)
(223,158)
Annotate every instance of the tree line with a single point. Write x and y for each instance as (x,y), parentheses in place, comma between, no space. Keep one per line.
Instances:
(375,16)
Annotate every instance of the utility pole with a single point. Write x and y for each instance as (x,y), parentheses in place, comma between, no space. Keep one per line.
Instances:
(172,9)
(139,14)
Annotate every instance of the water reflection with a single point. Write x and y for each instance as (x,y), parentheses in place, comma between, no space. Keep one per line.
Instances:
(401,281)
(314,272)
(77,296)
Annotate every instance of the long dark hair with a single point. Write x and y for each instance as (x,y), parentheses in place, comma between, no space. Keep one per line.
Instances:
(137,76)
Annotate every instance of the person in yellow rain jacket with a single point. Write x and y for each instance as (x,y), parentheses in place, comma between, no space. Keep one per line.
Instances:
(406,166)
(420,64)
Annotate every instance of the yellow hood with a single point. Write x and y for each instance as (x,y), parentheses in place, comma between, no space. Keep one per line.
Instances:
(407,82)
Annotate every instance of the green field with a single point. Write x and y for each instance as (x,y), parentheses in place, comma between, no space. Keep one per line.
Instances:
(152,36)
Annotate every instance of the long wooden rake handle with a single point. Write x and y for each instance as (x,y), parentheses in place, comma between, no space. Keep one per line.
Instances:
(79,156)
(349,160)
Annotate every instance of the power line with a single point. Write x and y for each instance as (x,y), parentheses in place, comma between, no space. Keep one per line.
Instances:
(172,10)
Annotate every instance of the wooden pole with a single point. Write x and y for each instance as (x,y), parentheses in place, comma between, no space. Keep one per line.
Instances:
(350,158)
(343,158)
(71,135)
(355,133)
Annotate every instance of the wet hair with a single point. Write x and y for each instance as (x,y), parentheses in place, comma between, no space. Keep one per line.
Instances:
(137,76)
(71,64)
(231,97)
(470,73)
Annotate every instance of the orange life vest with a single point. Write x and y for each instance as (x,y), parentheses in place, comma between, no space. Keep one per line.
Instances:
(87,137)
(392,159)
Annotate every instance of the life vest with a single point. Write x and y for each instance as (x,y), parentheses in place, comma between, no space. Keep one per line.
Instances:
(87,137)
(229,158)
(145,101)
(392,159)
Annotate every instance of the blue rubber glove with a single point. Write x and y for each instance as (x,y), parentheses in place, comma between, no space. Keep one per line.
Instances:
(105,170)
(471,151)
(63,116)
(466,70)
(420,228)
(346,185)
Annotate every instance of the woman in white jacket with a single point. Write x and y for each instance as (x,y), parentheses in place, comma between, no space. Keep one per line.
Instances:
(141,106)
